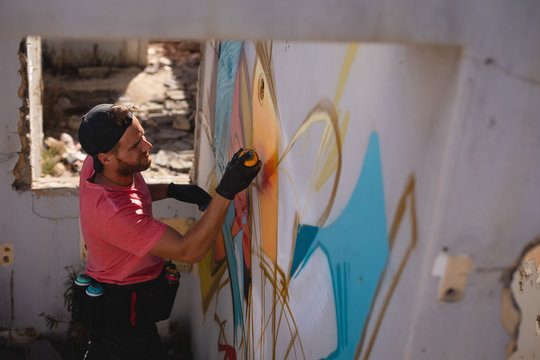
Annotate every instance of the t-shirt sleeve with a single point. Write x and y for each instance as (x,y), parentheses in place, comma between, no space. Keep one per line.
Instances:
(131,229)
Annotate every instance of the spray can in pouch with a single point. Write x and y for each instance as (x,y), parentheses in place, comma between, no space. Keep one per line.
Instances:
(172,276)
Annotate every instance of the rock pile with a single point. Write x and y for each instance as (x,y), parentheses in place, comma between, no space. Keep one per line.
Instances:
(165,93)
(62,158)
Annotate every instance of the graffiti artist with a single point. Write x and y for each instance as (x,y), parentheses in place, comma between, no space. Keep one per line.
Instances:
(128,286)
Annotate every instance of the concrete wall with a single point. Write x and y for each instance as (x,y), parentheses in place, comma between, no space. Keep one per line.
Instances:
(42,225)
(80,53)
(462,147)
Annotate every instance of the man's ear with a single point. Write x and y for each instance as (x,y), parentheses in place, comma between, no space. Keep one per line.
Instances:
(104,158)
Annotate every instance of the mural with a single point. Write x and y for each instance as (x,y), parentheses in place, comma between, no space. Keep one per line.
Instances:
(288,266)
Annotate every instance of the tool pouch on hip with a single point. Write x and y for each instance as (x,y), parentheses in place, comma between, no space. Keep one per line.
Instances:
(120,307)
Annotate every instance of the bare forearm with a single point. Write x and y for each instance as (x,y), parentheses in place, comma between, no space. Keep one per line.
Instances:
(206,230)
(195,243)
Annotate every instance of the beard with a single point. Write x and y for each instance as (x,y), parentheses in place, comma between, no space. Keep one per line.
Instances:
(127,169)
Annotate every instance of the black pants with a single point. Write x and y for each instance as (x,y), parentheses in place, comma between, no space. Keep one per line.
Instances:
(140,343)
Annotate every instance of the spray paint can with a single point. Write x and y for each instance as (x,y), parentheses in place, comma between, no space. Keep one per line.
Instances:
(253,158)
(94,306)
(79,289)
(172,276)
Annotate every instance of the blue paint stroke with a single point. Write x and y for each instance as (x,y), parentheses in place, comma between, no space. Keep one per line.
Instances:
(304,238)
(229,58)
(233,245)
(356,246)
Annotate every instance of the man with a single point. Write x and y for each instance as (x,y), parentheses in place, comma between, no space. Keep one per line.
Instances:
(126,245)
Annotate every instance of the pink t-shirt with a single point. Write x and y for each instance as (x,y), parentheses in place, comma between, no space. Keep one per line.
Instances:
(119,230)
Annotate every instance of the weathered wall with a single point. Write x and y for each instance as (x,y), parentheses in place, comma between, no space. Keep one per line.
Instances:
(42,226)
(475,168)
(80,53)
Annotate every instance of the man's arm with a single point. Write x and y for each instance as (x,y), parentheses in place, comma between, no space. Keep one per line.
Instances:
(158,191)
(191,247)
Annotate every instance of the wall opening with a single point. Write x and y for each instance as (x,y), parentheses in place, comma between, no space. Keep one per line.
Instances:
(65,78)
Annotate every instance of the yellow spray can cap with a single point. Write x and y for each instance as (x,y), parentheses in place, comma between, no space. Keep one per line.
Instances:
(252,160)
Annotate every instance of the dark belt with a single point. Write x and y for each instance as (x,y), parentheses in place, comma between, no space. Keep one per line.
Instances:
(129,306)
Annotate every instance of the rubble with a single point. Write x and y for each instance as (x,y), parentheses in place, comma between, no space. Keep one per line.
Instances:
(164,92)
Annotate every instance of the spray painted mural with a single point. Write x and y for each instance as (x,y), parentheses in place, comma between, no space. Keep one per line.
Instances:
(303,252)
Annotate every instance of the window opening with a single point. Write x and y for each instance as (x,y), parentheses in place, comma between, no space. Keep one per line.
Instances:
(69,77)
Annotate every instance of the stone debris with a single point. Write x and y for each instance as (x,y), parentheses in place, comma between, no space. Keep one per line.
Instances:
(62,155)
(181,123)
(180,161)
(177,95)
(170,134)
(165,94)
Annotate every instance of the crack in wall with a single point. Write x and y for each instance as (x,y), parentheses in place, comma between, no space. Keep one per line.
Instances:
(492,63)
(55,218)
(491,269)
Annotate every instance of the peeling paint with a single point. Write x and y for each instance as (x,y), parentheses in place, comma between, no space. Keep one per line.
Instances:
(22,170)
(525,288)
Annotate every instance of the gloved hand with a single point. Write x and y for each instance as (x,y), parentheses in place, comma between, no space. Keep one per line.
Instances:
(190,194)
(237,176)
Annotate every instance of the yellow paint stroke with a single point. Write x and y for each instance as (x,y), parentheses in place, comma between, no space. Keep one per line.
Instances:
(209,282)
(331,163)
(345,69)
(329,147)
(276,277)
(408,193)
(333,136)
(324,111)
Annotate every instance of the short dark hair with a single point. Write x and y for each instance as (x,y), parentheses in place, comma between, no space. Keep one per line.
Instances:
(118,114)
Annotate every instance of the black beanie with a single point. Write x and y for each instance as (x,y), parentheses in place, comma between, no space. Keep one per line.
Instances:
(99,134)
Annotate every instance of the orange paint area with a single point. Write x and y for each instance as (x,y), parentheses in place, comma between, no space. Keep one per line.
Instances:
(265,142)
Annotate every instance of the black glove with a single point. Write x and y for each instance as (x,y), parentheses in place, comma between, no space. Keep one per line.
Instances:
(237,176)
(189,193)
